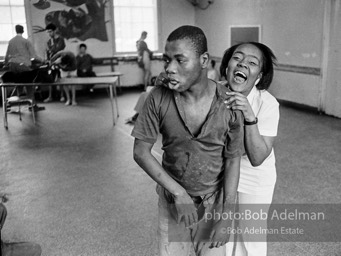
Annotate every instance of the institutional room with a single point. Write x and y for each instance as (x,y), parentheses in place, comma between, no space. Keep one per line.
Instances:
(170,127)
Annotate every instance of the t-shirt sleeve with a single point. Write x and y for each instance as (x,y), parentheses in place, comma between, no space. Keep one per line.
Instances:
(235,136)
(147,124)
(268,118)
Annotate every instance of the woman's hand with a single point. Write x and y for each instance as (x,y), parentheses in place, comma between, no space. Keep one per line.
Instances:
(238,101)
(163,80)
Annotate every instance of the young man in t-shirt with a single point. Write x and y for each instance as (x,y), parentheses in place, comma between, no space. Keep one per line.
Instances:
(202,144)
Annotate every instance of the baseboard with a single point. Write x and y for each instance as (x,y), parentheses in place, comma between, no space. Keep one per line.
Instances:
(299,106)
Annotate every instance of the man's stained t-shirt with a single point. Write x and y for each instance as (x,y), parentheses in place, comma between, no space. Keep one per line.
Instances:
(195,162)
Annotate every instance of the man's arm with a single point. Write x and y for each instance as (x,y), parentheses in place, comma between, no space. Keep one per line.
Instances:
(56,56)
(233,152)
(231,179)
(219,235)
(183,202)
(59,45)
(145,159)
(32,52)
(8,52)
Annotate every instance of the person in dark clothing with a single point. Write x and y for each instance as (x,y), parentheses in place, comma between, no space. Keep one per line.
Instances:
(202,144)
(54,44)
(19,56)
(84,64)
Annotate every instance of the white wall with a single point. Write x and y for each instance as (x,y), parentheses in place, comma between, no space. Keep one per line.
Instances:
(331,94)
(173,14)
(294,30)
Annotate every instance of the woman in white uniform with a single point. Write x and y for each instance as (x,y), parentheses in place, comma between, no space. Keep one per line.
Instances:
(248,69)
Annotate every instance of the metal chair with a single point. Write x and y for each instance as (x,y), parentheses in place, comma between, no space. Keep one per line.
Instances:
(18,100)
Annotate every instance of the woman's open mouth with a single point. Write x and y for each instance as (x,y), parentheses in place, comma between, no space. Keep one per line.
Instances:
(239,77)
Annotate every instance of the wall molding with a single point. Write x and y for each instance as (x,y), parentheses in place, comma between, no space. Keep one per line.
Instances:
(288,68)
(298,69)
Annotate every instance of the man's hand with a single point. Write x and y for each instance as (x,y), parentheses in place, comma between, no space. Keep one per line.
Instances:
(186,210)
(219,234)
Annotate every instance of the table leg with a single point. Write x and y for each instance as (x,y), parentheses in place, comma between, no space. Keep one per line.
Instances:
(116,100)
(119,84)
(4,105)
(111,102)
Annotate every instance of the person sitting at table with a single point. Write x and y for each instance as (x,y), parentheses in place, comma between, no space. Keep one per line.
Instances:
(19,56)
(84,64)
(67,63)
(140,102)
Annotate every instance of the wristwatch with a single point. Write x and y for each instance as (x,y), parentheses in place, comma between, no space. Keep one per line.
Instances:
(252,122)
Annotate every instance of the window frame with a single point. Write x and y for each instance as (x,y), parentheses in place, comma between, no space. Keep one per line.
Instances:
(27,28)
(158,30)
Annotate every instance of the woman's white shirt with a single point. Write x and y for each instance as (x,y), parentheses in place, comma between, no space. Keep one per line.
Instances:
(261,180)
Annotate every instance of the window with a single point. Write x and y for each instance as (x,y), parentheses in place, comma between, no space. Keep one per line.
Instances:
(131,18)
(12,13)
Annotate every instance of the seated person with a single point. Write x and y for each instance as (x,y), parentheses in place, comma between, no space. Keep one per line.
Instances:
(66,61)
(84,64)
(140,102)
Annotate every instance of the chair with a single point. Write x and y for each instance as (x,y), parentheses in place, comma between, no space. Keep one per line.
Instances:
(19,101)
(16,101)
(16,98)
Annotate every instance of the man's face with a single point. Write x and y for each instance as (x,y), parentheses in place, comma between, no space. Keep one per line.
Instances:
(51,32)
(182,65)
(82,50)
(244,68)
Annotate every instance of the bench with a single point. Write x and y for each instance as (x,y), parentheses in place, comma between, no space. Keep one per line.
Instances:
(73,81)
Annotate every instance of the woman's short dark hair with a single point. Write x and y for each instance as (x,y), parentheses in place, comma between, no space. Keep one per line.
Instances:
(65,60)
(268,57)
(82,45)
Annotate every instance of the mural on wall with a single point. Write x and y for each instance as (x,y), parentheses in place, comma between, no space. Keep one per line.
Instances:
(83,19)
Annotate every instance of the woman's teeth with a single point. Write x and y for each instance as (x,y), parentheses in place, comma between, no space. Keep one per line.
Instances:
(239,77)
